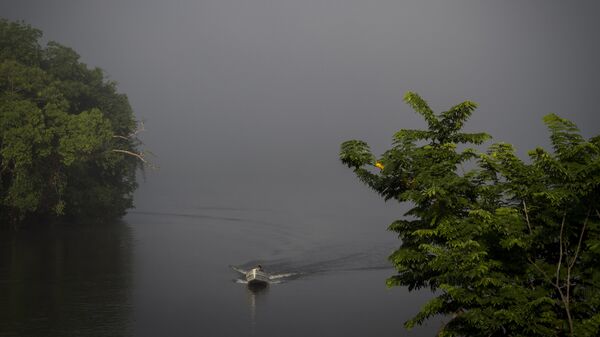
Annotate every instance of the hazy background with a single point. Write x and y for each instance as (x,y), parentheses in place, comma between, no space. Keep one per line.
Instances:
(247,101)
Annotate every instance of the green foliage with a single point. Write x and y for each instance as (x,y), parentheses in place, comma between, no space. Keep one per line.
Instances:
(510,248)
(19,41)
(58,122)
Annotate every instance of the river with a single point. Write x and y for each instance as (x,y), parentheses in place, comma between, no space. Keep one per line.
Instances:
(170,274)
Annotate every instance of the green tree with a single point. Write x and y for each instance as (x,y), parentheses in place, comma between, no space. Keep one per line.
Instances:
(510,248)
(68,149)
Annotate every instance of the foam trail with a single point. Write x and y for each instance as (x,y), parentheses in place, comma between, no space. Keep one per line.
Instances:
(273,279)
(278,276)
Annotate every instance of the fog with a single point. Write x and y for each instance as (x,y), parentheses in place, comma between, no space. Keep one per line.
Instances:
(246,102)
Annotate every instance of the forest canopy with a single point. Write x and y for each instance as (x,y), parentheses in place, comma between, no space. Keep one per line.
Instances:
(68,145)
(509,247)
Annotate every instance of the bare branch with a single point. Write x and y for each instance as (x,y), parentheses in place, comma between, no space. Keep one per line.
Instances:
(580,240)
(527,217)
(541,271)
(567,310)
(560,242)
(565,298)
(138,129)
(140,156)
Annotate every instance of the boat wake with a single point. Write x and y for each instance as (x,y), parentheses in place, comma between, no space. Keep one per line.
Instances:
(273,278)
(310,265)
(281,276)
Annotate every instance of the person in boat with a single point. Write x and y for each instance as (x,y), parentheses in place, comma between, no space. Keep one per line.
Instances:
(259,267)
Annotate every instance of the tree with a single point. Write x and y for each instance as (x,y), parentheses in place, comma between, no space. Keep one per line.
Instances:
(509,247)
(68,146)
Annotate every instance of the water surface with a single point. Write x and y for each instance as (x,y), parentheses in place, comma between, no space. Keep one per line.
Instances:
(169,274)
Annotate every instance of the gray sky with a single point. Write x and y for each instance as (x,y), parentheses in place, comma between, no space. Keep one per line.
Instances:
(247,101)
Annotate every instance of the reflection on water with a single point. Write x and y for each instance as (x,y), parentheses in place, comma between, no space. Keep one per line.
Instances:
(256,294)
(162,275)
(66,280)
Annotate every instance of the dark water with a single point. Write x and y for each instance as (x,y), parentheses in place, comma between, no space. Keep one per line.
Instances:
(157,274)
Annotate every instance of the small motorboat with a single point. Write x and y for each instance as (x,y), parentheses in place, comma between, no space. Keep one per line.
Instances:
(257,277)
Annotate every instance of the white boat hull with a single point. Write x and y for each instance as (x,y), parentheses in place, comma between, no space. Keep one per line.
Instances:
(257,277)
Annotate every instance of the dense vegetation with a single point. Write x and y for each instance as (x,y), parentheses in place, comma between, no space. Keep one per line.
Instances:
(510,247)
(68,149)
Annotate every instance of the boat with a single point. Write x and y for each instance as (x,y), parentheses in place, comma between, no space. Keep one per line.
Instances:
(257,277)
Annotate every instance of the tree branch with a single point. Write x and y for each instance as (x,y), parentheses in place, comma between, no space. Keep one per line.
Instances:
(560,242)
(138,129)
(140,156)
(548,278)
(527,217)
(580,240)
(565,298)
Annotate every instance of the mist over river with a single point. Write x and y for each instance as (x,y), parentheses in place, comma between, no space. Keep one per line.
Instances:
(245,104)
(169,274)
